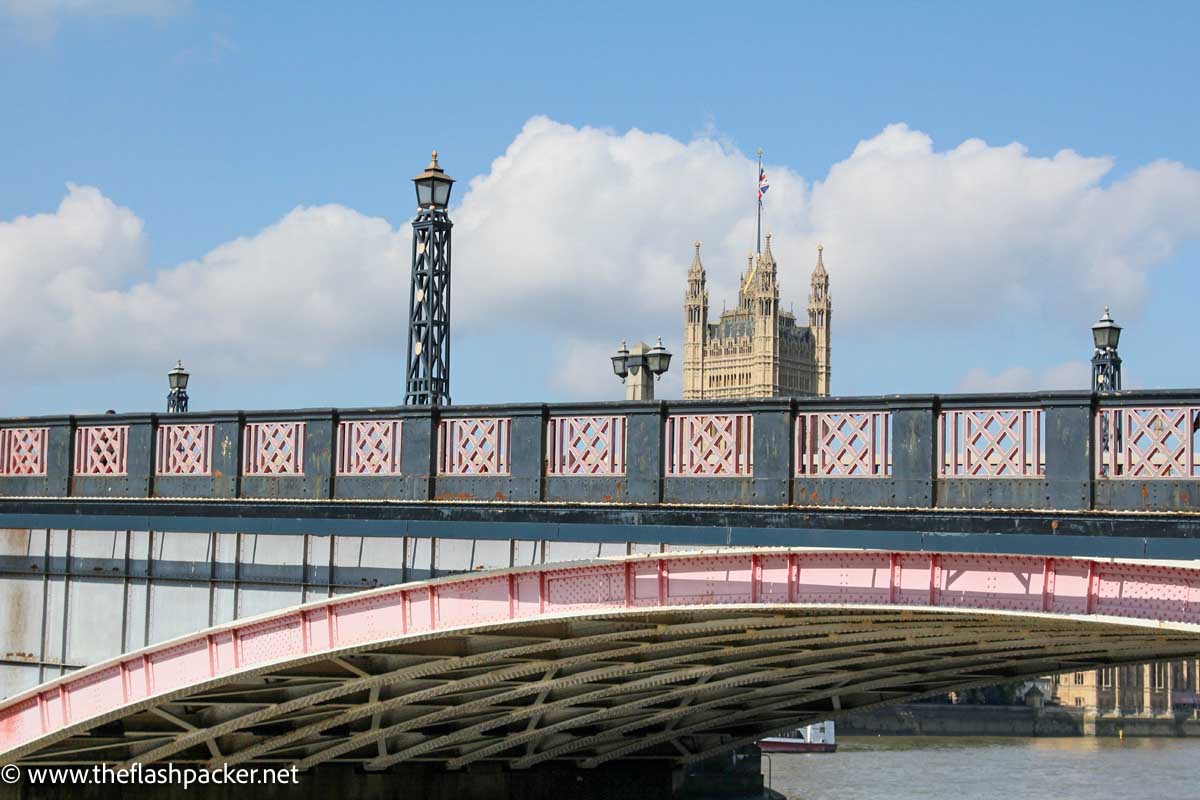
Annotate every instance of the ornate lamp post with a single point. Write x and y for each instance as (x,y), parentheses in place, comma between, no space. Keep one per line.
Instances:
(643,363)
(1106,364)
(428,376)
(177,398)
(1106,377)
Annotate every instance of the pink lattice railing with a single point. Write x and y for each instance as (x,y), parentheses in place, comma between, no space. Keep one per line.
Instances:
(1147,442)
(273,448)
(478,446)
(844,444)
(710,445)
(585,446)
(369,447)
(184,450)
(992,443)
(102,450)
(23,451)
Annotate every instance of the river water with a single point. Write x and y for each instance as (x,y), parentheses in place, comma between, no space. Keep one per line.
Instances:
(991,768)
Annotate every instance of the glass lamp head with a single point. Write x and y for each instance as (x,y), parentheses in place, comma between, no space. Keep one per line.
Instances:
(1106,333)
(177,378)
(433,186)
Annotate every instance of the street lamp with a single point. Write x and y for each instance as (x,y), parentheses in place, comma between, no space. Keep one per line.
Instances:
(1106,377)
(658,359)
(620,362)
(177,398)
(433,186)
(1106,364)
(643,363)
(427,380)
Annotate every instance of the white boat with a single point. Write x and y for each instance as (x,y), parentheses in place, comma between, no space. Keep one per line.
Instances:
(816,738)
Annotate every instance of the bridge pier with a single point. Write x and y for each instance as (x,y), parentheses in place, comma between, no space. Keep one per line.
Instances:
(726,778)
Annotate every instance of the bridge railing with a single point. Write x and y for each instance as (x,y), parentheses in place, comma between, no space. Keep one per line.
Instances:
(1052,450)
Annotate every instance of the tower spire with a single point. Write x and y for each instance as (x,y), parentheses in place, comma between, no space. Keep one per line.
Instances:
(695,315)
(820,313)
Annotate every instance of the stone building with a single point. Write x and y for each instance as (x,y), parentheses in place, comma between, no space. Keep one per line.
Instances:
(1156,689)
(756,349)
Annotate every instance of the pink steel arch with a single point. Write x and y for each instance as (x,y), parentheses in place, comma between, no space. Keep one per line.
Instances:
(1158,596)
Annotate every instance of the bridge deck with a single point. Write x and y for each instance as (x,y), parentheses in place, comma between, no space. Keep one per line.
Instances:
(1091,533)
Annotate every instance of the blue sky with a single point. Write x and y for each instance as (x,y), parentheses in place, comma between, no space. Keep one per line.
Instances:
(238,139)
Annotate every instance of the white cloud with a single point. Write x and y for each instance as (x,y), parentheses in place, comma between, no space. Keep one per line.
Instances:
(582,368)
(97,8)
(315,286)
(972,232)
(40,18)
(585,235)
(1071,375)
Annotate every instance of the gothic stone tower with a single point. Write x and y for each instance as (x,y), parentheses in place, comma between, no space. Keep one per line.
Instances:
(695,314)
(820,311)
(757,349)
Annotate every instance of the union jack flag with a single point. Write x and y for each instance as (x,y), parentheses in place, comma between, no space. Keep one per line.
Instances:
(762,184)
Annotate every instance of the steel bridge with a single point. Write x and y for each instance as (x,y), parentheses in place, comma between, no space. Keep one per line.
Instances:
(668,656)
(176,586)
(1104,468)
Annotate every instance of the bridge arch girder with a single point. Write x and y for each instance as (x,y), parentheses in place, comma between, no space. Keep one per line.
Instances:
(665,656)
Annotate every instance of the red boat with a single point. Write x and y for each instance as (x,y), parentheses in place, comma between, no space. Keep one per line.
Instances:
(816,738)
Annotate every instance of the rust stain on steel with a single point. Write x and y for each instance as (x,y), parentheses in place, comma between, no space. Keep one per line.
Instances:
(1146,495)
(15,611)
(217,473)
(501,496)
(15,538)
(454,496)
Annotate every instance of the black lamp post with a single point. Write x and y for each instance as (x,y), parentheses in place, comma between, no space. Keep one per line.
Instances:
(1106,364)
(177,398)
(644,363)
(1106,377)
(428,376)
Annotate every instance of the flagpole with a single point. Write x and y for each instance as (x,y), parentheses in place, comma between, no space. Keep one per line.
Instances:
(758,194)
